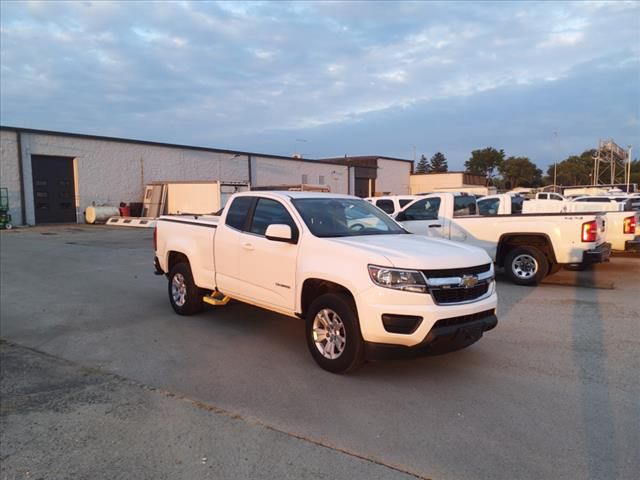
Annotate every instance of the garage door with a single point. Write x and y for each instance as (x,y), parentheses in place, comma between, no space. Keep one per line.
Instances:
(53,189)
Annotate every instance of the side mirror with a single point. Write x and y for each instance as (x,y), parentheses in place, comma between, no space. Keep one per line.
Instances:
(401,217)
(279,232)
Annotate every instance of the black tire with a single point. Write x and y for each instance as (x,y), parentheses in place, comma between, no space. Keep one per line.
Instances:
(526,265)
(184,295)
(343,340)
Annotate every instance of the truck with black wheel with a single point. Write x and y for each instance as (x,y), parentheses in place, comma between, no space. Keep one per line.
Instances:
(528,246)
(365,287)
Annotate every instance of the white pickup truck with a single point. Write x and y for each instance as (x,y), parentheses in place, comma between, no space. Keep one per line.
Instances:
(364,285)
(621,222)
(528,246)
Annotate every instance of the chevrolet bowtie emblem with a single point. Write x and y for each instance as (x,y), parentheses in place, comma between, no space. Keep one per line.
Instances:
(469,281)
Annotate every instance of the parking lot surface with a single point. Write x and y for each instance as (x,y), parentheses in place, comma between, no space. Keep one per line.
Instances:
(552,392)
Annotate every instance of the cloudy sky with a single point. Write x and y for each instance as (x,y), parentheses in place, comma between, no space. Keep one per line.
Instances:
(543,80)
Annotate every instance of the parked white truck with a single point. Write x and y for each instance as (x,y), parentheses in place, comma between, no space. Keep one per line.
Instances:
(528,246)
(364,285)
(621,221)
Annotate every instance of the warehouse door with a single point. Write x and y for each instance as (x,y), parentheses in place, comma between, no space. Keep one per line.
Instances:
(54,195)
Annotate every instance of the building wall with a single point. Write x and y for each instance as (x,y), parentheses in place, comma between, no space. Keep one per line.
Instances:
(450,181)
(110,172)
(421,183)
(267,171)
(393,177)
(10,173)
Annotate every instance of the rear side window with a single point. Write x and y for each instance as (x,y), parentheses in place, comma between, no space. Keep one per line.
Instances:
(385,205)
(488,206)
(516,204)
(465,205)
(426,209)
(238,210)
(405,202)
(269,212)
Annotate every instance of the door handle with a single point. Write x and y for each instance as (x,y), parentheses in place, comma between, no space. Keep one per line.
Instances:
(247,246)
(434,225)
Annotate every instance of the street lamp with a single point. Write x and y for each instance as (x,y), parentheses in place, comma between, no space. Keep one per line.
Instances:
(555,161)
(628,166)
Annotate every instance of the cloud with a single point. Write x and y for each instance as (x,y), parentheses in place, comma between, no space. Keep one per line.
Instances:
(562,39)
(208,72)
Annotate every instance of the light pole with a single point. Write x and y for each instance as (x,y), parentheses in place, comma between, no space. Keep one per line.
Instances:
(555,162)
(628,166)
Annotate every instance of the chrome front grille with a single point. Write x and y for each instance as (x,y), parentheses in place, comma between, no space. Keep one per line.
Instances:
(458,295)
(459,285)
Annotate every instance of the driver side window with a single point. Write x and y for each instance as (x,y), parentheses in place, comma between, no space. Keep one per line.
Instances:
(426,209)
(270,212)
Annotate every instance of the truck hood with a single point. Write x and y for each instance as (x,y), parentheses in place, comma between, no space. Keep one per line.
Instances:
(417,251)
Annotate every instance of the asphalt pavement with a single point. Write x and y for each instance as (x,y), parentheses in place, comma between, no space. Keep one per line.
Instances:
(552,392)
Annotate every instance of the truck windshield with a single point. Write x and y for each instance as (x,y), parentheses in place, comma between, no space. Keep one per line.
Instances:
(344,217)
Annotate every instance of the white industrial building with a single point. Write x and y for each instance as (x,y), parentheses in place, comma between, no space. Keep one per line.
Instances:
(52,177)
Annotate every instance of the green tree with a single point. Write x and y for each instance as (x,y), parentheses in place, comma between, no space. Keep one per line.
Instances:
(438,163)
(423,165)
(574,170)
(520,172)
(485,162)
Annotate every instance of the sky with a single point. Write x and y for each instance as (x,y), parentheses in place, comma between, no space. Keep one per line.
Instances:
(326,79)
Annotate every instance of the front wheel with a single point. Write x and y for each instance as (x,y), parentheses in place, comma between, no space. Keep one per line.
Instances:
(526,265)
(184,295)
(333,333)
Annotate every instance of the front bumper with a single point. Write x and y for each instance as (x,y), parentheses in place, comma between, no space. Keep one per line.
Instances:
(600,254)
(632,245)
(442,338)
(376,303)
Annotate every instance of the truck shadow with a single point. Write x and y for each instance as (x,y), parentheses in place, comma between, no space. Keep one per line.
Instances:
(589,352)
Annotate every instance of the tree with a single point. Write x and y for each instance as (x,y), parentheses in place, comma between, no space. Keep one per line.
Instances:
(520,172)
(423,165)
(574,170)
(438,163)
(485,162)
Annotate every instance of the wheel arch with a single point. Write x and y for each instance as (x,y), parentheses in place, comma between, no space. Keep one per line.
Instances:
(175,257)
(541,241)
(313,287)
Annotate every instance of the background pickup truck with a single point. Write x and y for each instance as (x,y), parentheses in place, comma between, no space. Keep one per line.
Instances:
(363,284)
(621,224)
(529,246)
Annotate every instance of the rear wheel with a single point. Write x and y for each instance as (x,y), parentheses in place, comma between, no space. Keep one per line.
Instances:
(333,333)
(184,295)
(526,265)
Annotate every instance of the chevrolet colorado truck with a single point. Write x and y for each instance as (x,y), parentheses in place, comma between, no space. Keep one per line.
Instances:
(528,246)
(365,287)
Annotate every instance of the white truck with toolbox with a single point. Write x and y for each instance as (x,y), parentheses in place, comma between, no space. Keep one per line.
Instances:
(365,286)
(529,246)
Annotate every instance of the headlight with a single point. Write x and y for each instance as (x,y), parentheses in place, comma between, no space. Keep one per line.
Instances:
(407,280)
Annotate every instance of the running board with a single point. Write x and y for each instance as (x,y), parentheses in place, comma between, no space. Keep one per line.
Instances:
(132,221)
(216,299)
